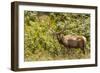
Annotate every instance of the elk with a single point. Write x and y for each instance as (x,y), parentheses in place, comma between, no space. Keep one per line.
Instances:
(71,41)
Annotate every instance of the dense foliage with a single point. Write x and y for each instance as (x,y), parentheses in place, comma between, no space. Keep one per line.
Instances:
(41,44)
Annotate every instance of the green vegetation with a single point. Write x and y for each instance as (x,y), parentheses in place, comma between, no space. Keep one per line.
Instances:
(39,42)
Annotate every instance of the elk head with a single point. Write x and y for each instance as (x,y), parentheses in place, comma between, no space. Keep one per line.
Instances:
(59,35)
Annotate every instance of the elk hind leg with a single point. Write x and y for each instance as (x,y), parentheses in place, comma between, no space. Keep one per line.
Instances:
(83,50)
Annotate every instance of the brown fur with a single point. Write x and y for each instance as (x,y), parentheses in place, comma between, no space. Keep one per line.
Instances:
(72,41)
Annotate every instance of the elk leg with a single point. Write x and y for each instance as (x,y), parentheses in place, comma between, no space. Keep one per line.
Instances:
(69,51)
(83,50)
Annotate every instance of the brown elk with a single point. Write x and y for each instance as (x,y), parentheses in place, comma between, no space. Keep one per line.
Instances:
(71,41)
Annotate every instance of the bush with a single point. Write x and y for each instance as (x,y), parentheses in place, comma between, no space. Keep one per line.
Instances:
(41,44)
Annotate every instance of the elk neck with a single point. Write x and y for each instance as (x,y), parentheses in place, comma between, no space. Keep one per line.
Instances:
(60,38)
